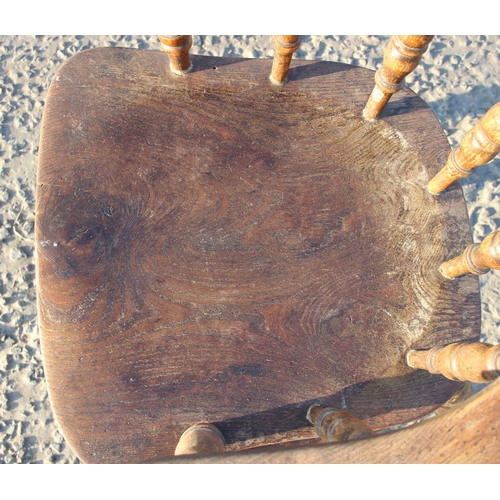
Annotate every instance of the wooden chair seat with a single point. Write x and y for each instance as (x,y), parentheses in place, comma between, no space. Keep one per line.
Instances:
(217,248)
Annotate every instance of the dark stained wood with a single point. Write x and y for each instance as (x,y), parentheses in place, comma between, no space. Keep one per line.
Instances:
(468,434)
(401,57)
(216,248)
(464,393)
(477,362)
(480,145)
(177,47)
(284,47)
(201,438)
(334,426)
(476,259)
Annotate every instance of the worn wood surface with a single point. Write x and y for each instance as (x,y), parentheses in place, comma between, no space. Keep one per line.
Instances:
(480,145)
(476,259)
(401,57)
(477,362)
(468,434)
(216,248)
(464,393)
(284,47)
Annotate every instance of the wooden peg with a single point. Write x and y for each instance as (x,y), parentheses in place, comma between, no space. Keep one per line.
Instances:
(401,57)
(479,146)
(177,47)
(201,438)
(469,362)
(335,426)
(284,47)
(476,259)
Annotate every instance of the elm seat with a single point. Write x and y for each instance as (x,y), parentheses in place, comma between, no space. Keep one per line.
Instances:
(213,247)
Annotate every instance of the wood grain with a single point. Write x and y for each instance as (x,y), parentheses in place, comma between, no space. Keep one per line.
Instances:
(216,248)
(480,145)
(464,393)
(468,434)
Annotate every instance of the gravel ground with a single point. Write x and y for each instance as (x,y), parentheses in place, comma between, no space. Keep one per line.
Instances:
(458,78)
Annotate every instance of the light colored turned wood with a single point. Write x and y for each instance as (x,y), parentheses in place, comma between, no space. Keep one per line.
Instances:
(284,47)
(476,259)
(177,47)
(401,57)
(479,146)
(201,438)
(472,362)
(468,433)
(335,426)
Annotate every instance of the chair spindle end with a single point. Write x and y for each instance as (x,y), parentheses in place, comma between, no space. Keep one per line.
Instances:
(201,438)
(476,362)
(177,47)
(476,259)
(401,57)
(335,426)
(285,46)
(479,146)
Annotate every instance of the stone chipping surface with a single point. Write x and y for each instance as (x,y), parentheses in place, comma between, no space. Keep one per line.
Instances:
(459,77)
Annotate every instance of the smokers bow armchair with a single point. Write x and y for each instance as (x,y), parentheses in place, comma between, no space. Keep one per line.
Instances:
(216,245)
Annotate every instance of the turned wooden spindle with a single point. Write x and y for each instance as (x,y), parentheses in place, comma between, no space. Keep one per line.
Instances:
(201,438)
(177,47)
(476,259)
(401,57)
(335,426)
(479,146)
(284,47)
(469,362)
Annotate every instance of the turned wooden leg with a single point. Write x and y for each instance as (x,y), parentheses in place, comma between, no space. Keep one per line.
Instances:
(177,47)
(476,259)
(479,146)
(284,47)
(337,426)
(470,362)
(201,438)
(400,58)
